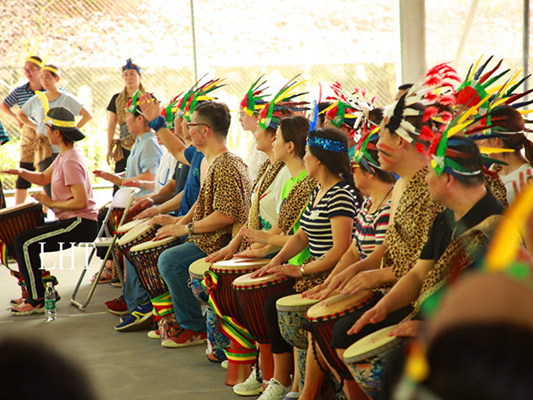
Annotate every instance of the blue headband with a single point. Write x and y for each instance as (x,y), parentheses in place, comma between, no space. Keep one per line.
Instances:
(327,144)
(129,65)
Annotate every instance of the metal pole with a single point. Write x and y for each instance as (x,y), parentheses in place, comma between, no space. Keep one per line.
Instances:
(526,42)
(194,43)
(466,31)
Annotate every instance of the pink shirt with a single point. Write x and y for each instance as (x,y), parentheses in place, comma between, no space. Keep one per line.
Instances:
(70,169)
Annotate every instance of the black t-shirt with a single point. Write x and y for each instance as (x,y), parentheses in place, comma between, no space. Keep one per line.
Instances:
(445,229)
(112,107)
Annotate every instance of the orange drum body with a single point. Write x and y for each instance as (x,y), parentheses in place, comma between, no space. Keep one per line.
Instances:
(324,315)
(17,219)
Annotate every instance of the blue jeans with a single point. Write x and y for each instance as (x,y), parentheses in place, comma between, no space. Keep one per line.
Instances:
(174,267)
(134,293)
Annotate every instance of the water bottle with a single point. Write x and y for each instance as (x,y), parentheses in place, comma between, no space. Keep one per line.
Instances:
(50,302)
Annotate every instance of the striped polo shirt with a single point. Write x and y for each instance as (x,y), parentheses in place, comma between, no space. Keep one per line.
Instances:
(19,95)
(370,229)
(340,200)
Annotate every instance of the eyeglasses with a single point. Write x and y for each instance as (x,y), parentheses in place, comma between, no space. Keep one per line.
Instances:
(189,125)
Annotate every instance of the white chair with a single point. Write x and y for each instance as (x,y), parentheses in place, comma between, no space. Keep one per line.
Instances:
(123,199)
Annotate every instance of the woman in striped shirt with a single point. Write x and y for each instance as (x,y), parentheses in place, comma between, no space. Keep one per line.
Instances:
(326,227)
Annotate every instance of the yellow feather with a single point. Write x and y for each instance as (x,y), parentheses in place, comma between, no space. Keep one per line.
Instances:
(494,150)
(507,239)
(44,101)
(524,112)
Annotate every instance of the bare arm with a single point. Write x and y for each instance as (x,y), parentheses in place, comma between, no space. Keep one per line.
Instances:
(38,178)
(85,117)
(111,128)
(25,120)
(213,222)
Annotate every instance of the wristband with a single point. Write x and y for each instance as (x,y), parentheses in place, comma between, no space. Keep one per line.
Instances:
(158,123)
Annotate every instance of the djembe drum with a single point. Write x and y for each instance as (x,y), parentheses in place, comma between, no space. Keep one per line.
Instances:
(143,232)
(251,295)
(226,304)
(366,358)
(17,219)
(322,316)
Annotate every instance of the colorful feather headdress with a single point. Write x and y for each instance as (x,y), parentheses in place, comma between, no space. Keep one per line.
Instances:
(254,100)
(283,103)
(133,104)
(349,109)
(169,110)
(362,155)
(130,65)
(437,87)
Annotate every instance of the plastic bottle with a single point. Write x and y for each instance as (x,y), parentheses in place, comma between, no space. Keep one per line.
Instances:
(50,302)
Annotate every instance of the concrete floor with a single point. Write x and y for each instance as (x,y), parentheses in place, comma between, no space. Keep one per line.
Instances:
(121,365)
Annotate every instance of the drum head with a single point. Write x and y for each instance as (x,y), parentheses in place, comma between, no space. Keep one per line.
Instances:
(337,304)
(247,280)
(152,244)
(295,301)
(130,225)
(241,263)
(136,232)
(19,207)
(199,267)
(371,345)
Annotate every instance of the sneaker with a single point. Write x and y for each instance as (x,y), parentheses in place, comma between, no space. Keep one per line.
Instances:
(117,306)
(224,364)
(140,317)
(292,396)
(252,386)
(153,334)
(27,309)
(274,391)
(16,302)
(185,338)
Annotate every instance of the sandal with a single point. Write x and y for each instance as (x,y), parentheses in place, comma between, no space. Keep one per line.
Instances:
(107,275)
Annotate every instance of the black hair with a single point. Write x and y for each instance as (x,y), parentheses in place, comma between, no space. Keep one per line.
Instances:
(35,58)
(216,115)
(482,362)
(376,115)
(49,373)
(337,162)
(405,86)
(53,73)
(470,158)
(68,142)
(321,107)
(295,129)
(510,120)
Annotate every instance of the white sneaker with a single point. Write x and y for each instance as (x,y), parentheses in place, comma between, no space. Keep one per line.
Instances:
(251,386)
(274,391)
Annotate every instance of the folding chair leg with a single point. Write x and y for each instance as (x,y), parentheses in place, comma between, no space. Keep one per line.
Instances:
(73,301)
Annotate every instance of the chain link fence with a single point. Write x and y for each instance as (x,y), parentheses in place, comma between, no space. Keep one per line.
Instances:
(354,42)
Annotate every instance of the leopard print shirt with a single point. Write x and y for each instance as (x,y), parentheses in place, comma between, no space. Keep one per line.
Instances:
(227,189)
(409,230)
(496,187)
(460,253)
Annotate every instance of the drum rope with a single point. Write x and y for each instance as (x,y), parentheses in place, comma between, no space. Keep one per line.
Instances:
(325,370)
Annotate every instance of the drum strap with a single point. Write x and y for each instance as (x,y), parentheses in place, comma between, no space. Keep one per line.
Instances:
(162,306)
(230,327)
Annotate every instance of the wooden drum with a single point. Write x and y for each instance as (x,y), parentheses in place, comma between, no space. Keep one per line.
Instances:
(324,315)
(143,232)
(366,358)
(17,219)
(291,318)
(145,256)
(196,272)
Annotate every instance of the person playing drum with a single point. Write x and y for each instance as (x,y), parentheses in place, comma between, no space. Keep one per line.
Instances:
(218,214)
(326,227)
(72,201)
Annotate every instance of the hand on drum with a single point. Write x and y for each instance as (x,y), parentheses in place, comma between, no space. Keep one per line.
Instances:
(316,292)
(363,280)
(148,212)
(373,316)
(42,198)
(254,236)
(408,329)
(171,230)
(224,253)
(285,270)
(140,205)
(253,253)
(149,107)
(164,220)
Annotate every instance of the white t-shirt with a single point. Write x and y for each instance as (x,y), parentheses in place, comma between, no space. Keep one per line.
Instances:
(270,202)
(165,172)
(34,110)
(513,180)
